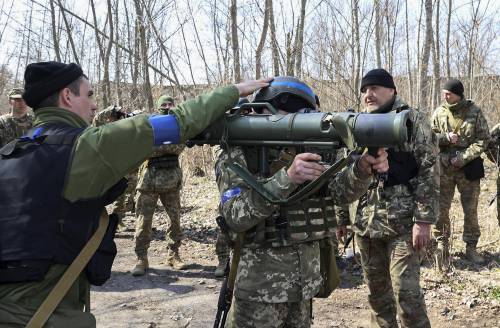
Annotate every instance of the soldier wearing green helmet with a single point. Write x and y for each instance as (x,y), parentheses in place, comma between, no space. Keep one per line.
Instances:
(18,121)
(159,177)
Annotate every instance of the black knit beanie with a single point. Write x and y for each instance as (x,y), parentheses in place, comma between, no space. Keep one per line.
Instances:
(46,78)
(378,76)
(455,86)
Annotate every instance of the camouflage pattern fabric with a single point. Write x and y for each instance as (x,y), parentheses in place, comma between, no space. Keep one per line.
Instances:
(126,202)
(248,314)
(269,276)
(392,270)
(494,155)
(391,211)
(384,221)
(158,182)
(104,116)
(12,127)
(222,245)
(472,142)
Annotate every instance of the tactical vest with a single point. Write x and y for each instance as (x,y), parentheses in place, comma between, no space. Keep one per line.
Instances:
(402,168)
(38,226)
(308,220)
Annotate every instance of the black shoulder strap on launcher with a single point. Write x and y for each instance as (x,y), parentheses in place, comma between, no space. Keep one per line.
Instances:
(311,188)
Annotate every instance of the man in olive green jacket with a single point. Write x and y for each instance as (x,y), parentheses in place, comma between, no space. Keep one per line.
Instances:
(463,135)
(62,98)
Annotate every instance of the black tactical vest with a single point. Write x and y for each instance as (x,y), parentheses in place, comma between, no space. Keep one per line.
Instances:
(38,226)
(402,168)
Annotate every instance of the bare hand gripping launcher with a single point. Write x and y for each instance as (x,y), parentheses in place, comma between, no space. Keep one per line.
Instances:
(311,130)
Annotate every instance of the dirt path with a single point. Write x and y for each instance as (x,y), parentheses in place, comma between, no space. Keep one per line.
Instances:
(169,298)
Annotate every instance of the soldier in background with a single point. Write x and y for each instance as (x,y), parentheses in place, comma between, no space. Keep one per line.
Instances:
(393,218)
(494,155)
(463,136)
(159,177)
(124,203)
(18,121)
(279,268)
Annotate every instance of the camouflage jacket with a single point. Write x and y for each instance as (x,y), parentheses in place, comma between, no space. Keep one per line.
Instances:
(103,117)
(494,145)
(390,211)
(275,274)
(12,127)
(159,178)
(473,132)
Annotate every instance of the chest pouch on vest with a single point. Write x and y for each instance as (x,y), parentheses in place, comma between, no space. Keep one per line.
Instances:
(474,170)
(98,270)
(328,269)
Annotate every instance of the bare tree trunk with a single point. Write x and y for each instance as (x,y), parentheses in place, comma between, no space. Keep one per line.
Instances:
(290,57)
(118,89)
(377,32)
(234,41)
(436,66)
(161,43)
(144,55)
(423,85)
(28,46)
(448,24)
(408,56)
(262,41)
(55,38)
(299,39)
(200,46)
(471,48)
(274,42)
(357,47)
(107,55)
(70,35)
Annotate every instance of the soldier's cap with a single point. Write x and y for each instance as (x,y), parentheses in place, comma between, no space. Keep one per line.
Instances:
(164,99)
(378,76)
(455,86)
(15,93)
(43,79)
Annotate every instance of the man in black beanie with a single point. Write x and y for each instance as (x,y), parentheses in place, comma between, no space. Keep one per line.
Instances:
(56,180)
(463,136)
(393,218)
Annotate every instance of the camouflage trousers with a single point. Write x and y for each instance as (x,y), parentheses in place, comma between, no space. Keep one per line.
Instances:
(222,245)
(391,269)
(249,314)
(145,206)
(125,203)
(469,197)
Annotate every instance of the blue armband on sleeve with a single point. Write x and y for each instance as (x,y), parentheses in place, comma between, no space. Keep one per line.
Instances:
(230,193)
(165,129)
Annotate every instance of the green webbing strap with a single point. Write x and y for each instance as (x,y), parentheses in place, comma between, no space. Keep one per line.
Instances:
(311,188)
(61,288)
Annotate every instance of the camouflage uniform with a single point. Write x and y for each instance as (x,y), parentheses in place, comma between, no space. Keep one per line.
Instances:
(383,225)
(473,140)
(494,156)
(161,177)
(279,269)
(13,127)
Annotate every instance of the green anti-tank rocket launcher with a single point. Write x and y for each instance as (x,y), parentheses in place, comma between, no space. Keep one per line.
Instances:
(309,130)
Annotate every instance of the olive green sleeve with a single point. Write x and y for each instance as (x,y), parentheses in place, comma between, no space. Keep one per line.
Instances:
(103,155)
(195,115)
